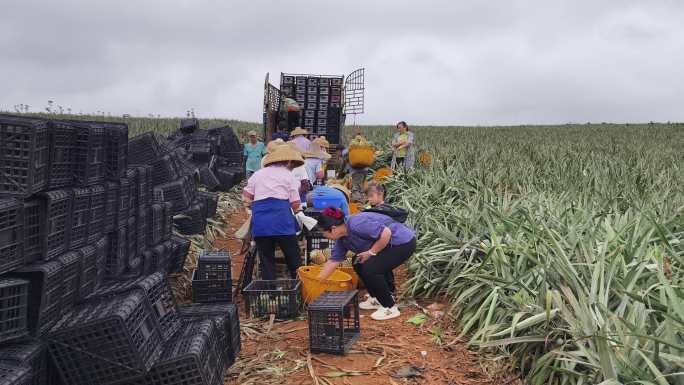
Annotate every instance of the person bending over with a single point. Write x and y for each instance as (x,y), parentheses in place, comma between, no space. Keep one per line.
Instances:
(381,245)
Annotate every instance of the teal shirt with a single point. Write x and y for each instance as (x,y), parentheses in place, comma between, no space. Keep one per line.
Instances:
(253,154)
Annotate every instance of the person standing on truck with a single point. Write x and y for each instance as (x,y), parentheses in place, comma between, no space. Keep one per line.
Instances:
(291,108)
(272,193)
(254,151)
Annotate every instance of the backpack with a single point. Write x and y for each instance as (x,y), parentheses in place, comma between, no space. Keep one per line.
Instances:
(396,213)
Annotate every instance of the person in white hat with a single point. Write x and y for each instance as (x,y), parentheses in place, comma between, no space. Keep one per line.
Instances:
(314,159)
(254,152)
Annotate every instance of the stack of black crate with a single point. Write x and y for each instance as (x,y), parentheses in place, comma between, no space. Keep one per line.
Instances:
(320,102)
(76,216)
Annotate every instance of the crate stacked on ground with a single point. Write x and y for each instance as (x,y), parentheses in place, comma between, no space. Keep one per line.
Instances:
(213,156)
(320,102)
(282,298)
(76,219)
(212,280)
(226,316)
(334,322)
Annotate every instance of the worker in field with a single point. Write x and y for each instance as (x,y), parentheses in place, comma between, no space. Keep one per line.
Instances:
(357,173)
(403,155)
(335,195)
(299,172)
(299,137)
(380,244)
(324,146)
(314,161)
(272,194)
(254,150)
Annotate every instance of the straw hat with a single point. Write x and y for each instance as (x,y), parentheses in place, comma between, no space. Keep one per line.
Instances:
(315,151)
(299,131)
(321,141)
(283,153)
(344,190)
(271,146)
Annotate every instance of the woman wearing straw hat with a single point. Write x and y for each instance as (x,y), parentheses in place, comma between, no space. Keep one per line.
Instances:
(314,159)
(298,172)
(254,151)
(273,195)
(298,136)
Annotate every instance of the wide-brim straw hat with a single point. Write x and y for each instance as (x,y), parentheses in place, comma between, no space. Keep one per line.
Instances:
(316,152)
(344,190)
(272,145)
(321,141)
(299,131)
(283,153)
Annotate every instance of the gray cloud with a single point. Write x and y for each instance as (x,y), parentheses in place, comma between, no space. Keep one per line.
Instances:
(441,62)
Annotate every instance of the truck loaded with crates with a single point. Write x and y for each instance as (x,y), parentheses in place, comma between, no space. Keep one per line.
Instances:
(324,102)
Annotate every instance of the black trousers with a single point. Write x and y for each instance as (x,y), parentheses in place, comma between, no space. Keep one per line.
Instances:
(374,271)
(266,247)
(389,276)
(292,119)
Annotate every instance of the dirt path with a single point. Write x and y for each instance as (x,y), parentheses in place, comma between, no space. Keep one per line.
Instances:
(277,353)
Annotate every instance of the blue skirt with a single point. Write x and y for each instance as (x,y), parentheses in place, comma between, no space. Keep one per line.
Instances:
(271,217)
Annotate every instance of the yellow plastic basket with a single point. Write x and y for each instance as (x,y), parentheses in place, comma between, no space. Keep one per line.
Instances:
(312,288)
(352,273)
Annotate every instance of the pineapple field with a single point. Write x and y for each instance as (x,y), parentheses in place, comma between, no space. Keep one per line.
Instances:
(560,249)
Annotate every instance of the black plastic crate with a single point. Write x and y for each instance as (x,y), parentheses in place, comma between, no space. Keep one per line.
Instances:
(24,156)
(334,322)
(213,265)
(208,178)
(58,206)
(316,241)
(133,193)
(144,184)
(175,192)
(226,316)
(281,297)
(226,176)
(80,217)
(63,147)
(188,126)
(177,262)
(14,296)
(131,242)
(164,170)
(30,353)
(167,221)
(111,340)
(123,209)
(157,226)
(71,276)
(232,158)
(211,202)
(115,264)
(201,151)
(88,276)
(158,293)
(98,213)
(143,223)
(101,256)
(46,291)
(112,206)
(34,230)
(144,149)
(191,187)
(90,153)
(11,234)
(155,259)
(211,290)
(116,150)
(14,374)
(192,220)
(192,357)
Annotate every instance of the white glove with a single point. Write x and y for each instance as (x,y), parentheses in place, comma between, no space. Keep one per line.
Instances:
(309,222)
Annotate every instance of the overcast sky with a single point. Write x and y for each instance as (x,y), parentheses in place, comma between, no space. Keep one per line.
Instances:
(427,62)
